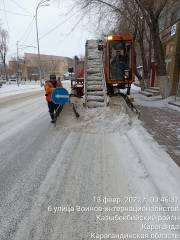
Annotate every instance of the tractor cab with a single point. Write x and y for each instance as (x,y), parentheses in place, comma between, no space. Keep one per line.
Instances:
(118,61)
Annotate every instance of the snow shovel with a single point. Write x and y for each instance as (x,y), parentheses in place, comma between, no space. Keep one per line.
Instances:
(61,97)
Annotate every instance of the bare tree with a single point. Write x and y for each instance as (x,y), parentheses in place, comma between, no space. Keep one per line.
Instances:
(103,13)
(4,37)
(130,20)
(151,11)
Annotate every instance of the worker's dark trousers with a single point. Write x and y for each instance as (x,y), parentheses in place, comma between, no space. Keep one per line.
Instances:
(52,108)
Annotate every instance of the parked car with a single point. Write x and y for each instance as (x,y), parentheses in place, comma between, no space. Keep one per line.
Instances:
(13,78)
(2,80)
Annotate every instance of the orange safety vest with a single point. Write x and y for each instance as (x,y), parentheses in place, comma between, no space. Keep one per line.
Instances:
(49,89)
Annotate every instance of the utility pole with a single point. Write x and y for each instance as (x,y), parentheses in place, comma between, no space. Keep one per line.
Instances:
(17,63)
(40,4)
(39,57)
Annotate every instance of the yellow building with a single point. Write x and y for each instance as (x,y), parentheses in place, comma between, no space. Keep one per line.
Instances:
(49,64)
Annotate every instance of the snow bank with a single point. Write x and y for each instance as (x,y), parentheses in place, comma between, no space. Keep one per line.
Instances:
(13,89)
(96,120)
(104,120)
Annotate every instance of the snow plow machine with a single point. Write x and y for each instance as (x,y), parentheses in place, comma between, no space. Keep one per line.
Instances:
(107,68)
(109,65)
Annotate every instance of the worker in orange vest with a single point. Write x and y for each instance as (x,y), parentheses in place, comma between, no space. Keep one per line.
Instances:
(49,88)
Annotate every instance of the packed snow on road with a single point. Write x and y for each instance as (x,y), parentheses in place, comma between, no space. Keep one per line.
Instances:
(101,176)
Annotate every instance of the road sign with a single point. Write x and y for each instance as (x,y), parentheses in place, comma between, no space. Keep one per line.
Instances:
(60,96)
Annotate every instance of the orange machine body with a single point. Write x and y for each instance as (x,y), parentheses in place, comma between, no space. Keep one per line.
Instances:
(118,60)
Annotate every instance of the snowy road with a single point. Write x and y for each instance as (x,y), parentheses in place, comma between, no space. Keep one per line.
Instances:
(99,177)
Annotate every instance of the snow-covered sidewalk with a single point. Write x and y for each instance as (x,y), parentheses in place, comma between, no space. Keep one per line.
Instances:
(155,101)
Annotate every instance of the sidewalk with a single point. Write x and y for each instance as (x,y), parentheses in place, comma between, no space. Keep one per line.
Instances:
(162,120)
(164,125)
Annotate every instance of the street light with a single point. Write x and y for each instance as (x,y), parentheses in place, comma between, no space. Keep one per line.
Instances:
(42,3)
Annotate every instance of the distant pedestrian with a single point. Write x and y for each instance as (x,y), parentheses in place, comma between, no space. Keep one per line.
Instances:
(49,87)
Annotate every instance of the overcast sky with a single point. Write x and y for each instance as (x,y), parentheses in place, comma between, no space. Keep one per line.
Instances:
(57,32)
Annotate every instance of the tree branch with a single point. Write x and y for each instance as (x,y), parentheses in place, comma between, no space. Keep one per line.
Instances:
(160,8)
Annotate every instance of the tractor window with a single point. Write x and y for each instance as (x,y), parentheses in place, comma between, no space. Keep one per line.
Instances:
(120,59)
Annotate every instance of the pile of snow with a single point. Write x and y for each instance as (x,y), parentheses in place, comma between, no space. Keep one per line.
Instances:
(95,120)
(104,120)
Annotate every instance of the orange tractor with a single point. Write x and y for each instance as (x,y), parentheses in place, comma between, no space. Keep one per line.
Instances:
(118,62)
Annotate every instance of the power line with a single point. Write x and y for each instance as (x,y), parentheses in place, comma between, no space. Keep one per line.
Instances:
(14,13)
(73,28)
(76,24)
(16,3)
(56,27)
(27,31)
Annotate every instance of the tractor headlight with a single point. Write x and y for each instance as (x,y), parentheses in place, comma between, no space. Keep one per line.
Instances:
(110,38)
